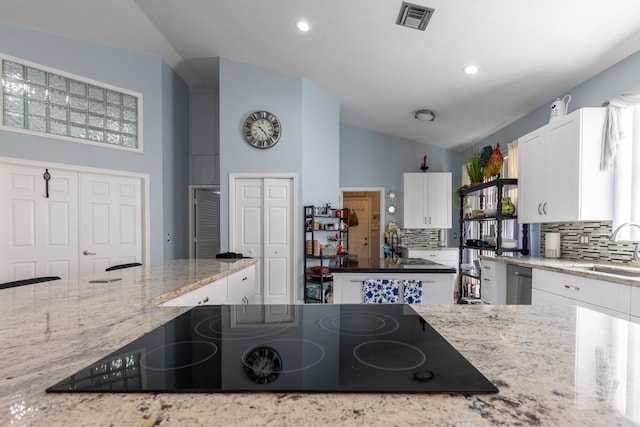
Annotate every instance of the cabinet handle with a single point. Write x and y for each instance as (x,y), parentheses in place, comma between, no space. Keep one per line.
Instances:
(202,301)
(539,208)
(428,281)
(486,279)
(544,208)
(575,288)
(355,281)
(424,220)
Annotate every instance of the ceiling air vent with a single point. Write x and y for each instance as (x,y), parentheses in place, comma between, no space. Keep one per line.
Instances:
(414,16)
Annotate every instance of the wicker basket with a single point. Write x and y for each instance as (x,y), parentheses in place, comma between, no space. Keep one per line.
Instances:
(330,251)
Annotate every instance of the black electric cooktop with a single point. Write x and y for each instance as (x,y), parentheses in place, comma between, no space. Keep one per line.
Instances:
(286,348)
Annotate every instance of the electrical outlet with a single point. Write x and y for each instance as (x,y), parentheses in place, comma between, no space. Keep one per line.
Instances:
(454,235)
(583,239)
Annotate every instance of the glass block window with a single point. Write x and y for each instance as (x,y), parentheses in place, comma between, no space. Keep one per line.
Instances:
(37,100)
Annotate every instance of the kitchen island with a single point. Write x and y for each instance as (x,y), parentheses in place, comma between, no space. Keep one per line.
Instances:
(552,365)
(438,280)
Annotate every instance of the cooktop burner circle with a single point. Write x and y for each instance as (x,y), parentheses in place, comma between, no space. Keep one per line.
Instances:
(389,355)
(314,353)
(207,328)
(178,355)
(359,324)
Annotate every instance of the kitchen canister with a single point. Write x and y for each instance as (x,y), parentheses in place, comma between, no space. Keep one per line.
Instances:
(552,245)
(560,107)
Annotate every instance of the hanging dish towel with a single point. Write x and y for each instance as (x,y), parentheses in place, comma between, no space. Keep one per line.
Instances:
(412,291)
(353,217)
(380,291)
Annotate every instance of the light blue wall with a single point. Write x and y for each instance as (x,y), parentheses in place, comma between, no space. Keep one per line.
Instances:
(162,100)
(371,159)
(175,139)
(321,147)
(309,145)
(244,89)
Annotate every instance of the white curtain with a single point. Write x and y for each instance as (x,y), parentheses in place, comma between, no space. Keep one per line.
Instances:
(613,131)
(621,153)
(626,197)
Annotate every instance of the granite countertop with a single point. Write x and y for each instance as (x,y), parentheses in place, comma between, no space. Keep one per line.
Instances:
(381,265)
(553,365)
(574,267)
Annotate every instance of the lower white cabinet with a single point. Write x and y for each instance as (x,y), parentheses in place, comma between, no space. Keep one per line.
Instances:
(635,304)
(241,286)
(551,288)
(437,288)
(237,288)
(493,282)
(211,294)
(448,257)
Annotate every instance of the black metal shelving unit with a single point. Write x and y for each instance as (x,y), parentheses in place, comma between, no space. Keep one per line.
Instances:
(318,285)
(469,278)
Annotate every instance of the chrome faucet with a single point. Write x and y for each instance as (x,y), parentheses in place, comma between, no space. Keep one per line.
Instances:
(614,238)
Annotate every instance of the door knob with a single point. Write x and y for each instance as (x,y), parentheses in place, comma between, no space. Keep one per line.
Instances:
(86,252)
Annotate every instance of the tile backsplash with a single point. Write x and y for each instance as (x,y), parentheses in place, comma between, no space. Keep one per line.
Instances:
(420,237)
(598,248)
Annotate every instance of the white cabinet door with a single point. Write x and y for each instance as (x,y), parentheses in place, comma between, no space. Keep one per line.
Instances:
(531,176)
(427,200)
(559,174)
(241,286)
(438,288)
(493,282)
(211,294)
(414,200)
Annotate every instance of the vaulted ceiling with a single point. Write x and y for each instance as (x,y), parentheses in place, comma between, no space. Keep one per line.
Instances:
(528,52)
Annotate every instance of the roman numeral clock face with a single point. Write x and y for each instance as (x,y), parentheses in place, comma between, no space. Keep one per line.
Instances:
(262,129)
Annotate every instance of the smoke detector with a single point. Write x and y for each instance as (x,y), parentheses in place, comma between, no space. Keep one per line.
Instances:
(414,16)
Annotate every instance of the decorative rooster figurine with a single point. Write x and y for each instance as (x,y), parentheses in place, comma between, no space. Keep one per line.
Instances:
(423,165)
(494,165)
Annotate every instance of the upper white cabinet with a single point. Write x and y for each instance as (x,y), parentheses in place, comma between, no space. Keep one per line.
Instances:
(427,200)
(559,175)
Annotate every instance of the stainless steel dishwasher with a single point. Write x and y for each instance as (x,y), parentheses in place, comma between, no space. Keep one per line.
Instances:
(518,285)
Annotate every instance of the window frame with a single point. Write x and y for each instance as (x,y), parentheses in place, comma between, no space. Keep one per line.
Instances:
(88,82)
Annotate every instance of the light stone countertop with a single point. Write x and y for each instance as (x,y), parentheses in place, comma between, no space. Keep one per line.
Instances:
(554,366)
(571,266)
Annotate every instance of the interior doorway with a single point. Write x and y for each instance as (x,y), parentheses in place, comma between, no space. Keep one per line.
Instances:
(204,221)
(365,239)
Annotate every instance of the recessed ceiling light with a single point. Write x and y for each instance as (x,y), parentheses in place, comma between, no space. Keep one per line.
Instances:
(303,25)
(425,115)
(471,69)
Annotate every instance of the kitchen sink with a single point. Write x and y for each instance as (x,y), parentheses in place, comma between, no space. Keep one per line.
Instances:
(620,271)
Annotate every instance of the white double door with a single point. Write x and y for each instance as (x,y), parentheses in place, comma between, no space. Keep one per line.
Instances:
(262,224)
(87,223)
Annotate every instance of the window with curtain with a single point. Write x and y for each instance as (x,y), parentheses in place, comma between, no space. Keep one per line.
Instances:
(626,165)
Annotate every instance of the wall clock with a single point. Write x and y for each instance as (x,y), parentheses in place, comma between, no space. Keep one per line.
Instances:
(262,365)
(262,129)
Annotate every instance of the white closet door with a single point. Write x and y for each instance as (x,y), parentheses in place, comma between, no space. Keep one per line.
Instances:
(38,235)
(110,222)
(263,229)
(248,222)
(278,253)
